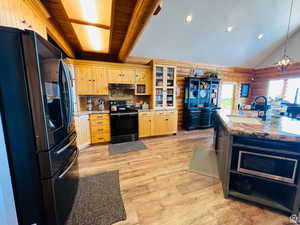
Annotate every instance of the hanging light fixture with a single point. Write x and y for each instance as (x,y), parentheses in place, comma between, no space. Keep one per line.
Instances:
(286,60)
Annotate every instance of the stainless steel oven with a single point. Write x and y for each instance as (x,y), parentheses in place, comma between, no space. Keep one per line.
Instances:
(267,165)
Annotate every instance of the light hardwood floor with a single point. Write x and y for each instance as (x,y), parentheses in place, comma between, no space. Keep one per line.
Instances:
(158,189)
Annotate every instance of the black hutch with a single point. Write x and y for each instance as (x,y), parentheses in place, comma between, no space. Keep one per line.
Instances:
(201,102)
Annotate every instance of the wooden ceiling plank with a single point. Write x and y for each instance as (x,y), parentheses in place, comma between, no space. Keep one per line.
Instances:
(142,14)
(60,17)
(102,26)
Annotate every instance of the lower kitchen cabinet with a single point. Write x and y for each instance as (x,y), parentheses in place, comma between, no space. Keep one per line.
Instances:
(100,128)
(83,130)
(145,124)
(157,123)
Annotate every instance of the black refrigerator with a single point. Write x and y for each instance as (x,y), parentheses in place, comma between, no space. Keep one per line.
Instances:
(37,111)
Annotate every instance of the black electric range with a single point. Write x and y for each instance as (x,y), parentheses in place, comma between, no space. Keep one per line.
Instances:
(123,122)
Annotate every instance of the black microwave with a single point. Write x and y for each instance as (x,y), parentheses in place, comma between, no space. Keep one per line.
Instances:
(268,166)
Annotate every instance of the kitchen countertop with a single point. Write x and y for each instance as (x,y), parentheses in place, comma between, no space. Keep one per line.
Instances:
(80,113)
(247,123)
(155,110)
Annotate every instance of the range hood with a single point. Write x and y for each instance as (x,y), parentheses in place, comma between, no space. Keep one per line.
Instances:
(121,86)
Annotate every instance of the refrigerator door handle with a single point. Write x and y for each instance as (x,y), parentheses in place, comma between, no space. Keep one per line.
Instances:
(68,145)
(69,167)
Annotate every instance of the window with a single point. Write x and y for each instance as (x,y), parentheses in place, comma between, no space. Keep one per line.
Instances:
(284,88)
(227,95)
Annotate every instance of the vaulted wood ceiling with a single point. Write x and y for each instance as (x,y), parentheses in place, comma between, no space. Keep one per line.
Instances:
(111,21)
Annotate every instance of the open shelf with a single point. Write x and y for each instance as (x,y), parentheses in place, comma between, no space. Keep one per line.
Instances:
(263,178)
(266,149)
(257,198)
(271,193)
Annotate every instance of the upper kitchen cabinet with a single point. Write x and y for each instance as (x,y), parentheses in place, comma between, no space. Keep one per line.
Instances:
(143,81)
(91,80)
(121,75)
(164,86)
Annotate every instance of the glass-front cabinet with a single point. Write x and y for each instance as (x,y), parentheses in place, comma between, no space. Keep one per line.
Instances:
(164,87)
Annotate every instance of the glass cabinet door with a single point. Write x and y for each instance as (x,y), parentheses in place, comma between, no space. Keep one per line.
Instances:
(159,97)
(159,76)
(170,97)
(170,76)
(164,86)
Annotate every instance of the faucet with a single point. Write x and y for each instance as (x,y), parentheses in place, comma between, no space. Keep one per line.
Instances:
(265,107)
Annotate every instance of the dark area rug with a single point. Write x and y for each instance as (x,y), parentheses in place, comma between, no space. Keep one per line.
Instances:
(98,201)
(126,147)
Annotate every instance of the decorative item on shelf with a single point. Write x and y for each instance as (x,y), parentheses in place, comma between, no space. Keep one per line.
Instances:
(100,104)
(286,61)
(89,104)
(212,74)
(197,73)
(245,90)
(203,85)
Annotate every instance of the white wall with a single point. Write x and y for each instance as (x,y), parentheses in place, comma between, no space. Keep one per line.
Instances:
(293,52)
(7,205)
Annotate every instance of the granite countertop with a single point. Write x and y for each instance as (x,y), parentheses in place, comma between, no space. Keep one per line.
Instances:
(155,110)
(247,123)
(80,113)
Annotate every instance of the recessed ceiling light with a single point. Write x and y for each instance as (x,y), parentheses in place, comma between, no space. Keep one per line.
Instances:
(189,18)
(229,28)
(260,36)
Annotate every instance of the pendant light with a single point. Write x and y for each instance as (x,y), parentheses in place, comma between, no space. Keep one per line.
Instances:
(286,60)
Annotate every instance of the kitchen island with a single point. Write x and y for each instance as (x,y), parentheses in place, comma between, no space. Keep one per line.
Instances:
(258,161)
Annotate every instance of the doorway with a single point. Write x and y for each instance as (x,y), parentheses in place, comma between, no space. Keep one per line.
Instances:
(227,95)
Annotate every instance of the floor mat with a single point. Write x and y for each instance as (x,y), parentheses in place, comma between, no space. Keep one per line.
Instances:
(98,201)
(126,147)
(205,163)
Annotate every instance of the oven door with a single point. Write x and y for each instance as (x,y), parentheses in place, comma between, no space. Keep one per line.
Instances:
(123,123)
(268,166)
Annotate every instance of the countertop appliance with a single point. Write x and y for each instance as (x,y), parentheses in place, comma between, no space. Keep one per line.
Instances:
(261,106)
(201,102)
(37,112)
(123,122)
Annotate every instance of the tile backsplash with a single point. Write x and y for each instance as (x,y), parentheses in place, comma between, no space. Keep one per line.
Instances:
(115,94)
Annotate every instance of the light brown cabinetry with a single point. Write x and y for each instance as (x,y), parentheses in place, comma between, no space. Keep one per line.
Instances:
(143,80)
(120,75)
(100,128)
(91,80)
(145,124)
(83,130)
(164,87)
(157,123)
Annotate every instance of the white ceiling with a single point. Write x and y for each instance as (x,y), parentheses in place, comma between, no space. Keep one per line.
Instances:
(167,36)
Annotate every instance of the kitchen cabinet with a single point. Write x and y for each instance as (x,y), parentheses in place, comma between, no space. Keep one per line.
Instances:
(100,128)
(120,75)
(143,80)
(91,80)
(164,87)
(145,124)
(83,130)
(157,123)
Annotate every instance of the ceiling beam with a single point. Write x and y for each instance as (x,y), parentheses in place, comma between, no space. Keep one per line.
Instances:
(142,13)
(102,26)
(59,16)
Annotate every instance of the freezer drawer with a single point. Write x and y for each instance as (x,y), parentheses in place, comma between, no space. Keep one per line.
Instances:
(60,191)
(55,159)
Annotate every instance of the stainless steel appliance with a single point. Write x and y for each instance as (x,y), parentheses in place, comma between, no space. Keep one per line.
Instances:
(123,122)
(267,165)
(37,111)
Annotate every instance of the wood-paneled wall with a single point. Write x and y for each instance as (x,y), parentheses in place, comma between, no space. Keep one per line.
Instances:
(228,74)
(263,76)
(31,14)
